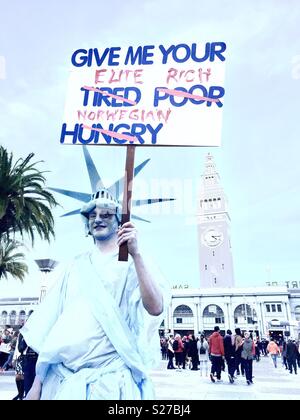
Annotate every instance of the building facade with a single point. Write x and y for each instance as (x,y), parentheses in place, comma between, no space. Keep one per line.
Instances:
(265,311)
(14,311)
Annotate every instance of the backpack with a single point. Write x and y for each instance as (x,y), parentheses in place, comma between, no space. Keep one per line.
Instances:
(175,345)
(202,350)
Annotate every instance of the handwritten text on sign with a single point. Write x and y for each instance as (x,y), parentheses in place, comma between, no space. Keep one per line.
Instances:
(166,95)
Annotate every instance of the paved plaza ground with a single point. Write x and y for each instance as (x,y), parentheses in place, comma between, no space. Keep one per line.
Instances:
(269,384)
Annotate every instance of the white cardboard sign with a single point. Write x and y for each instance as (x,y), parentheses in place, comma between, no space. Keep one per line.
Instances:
(147,95)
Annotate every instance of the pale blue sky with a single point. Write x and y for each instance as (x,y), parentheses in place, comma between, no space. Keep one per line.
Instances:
(258,159)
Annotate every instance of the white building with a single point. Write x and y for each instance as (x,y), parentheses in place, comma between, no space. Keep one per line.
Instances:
(263,310)
(14,311)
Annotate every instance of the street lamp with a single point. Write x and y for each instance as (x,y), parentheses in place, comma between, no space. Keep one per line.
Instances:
(45,265)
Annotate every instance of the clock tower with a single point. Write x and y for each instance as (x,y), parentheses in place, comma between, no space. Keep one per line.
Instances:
(216,266)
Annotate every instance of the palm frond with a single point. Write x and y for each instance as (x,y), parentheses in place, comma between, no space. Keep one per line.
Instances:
(11,262)
(25,204)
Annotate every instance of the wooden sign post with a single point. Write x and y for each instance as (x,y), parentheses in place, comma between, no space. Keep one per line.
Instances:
(126,205)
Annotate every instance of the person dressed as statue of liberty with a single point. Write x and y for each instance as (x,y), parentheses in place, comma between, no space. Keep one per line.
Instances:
(96,331)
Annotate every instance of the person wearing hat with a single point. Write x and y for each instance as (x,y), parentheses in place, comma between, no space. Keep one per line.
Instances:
(117,307)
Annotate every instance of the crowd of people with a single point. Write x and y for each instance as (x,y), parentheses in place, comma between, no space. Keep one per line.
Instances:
(209,353)
(16,354)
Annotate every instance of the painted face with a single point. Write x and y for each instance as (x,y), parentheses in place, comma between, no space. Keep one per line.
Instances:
(103,223)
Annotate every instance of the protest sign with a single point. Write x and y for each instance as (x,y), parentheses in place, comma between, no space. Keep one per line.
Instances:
(149,95)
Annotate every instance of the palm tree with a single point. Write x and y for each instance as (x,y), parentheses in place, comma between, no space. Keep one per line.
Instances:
(11,261)
(25,205)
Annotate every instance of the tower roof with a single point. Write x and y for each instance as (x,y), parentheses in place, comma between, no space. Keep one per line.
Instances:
(209,166)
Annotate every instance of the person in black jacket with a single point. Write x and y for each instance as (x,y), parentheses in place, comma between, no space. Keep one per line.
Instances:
(229,350)
(193,352)
(29,361)
(291,356)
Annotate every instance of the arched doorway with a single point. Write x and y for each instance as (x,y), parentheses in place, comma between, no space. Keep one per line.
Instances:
(12,318)
(4,318)
(276,332)
(22,317)
(183,320)
(244,315)
(213,315)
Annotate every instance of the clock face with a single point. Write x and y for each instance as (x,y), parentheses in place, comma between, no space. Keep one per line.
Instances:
(212,237)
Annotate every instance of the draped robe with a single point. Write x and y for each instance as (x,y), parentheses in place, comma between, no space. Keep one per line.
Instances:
(94,337)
